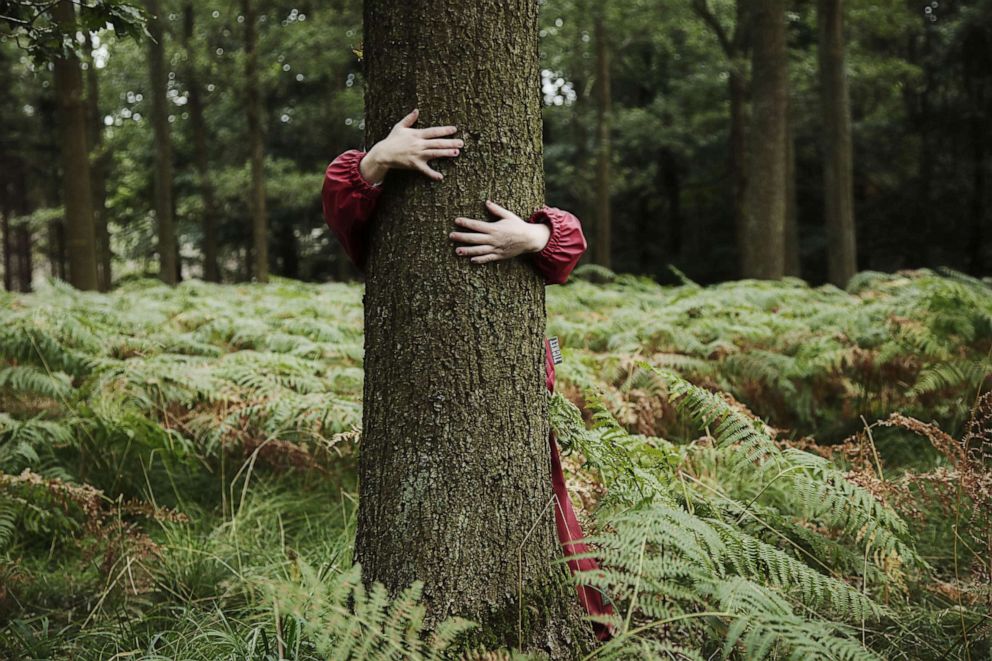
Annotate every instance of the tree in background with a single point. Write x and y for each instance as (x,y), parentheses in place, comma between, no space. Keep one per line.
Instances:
(454,469)
(838,182)
(77,191)
(253,109)
(602,246)
(98,167)
(169,268)
(198,127)
(763,243)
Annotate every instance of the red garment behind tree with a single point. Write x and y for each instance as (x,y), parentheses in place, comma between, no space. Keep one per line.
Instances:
(349,201)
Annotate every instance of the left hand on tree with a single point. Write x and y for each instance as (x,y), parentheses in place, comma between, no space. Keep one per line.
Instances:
(501,239)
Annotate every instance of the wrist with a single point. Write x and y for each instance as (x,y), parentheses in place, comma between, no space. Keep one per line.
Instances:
(540,233)
(372,166)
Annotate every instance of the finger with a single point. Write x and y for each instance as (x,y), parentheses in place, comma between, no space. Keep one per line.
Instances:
(439,153)
(498,210)
(473,224)
(443,144)
(429,171)
(410,119)
(464,237)
(474,251)
(438,131)
(491,257)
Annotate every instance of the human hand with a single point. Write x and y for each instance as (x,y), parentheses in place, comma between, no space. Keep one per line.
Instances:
(408,148)
(501,239)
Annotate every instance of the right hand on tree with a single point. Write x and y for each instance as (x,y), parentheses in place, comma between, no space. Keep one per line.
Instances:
(408,148)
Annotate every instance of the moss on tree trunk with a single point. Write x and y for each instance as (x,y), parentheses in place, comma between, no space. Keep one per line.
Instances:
(455,468)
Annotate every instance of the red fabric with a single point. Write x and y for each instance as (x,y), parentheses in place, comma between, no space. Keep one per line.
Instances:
(348,203)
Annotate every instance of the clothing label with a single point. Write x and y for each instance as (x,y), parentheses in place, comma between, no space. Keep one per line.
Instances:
(555,350)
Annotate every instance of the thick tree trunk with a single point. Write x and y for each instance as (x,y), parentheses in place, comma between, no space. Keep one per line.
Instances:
(168,257)
(260,230)
(211,268)
(602,247)
(763,248)
(77,192)
(98,161)
(838,182)
(455,468)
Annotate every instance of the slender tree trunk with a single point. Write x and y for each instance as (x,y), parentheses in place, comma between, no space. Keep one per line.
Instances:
(260,230)
(838,178)
(455,468)
(168,257)
(602,247)
(763,248)
(77,191)
(211,268)
(792,257)
(737,83)
(25,266)
(8,240)
(98,160)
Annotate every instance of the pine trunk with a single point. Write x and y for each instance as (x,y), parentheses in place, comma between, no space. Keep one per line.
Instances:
(602,248)
(763,247)
(455,468)
(98,172)
(211,268)
(838,184)
(168,258)
(260,230)
(80,235)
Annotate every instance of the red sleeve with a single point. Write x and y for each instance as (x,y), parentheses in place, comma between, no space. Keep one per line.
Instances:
(565,247)
(349,201)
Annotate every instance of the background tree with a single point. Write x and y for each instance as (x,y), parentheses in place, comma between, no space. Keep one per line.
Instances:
(169,268)
(253,110)
(838,196)
(80,235)
(763,243)
(98,164)
(454,438)
(602,246)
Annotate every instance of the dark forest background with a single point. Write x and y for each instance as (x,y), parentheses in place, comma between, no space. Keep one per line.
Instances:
(640,136)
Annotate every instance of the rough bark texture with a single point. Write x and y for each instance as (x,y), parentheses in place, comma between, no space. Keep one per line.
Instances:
(455,469)
(98,161)
(253,109)
(80,235)
(838,185)
(168,258)
(763,247)
(211,269)
(602,248)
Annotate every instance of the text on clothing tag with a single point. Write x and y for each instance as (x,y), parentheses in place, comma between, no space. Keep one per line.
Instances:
(555,350)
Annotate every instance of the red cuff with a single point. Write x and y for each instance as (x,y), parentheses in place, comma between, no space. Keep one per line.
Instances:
(565,246)
(355,178)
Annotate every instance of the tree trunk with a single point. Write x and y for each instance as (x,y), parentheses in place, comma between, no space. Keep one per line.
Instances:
(98,160)
(168,258)
(737,83)
(25,267)
(211,268)
(602,247)
(838,184)
(260,231)
(763,248)
(792,258)
(455,468)
(75,159)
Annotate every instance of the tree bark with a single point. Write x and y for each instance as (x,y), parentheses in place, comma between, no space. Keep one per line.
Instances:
(98,160)
(253,109)
(602,247)
(168,257)
(838,182)
(793,264)
(81,238)
(211,268)
(455,469)
(763,247)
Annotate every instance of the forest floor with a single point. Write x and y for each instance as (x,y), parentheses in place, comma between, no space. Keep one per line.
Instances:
(770,469)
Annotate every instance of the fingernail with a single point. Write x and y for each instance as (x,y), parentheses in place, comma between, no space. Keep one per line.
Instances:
(461,144)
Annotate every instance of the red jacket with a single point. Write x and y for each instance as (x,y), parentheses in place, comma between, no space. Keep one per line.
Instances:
(349,201)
